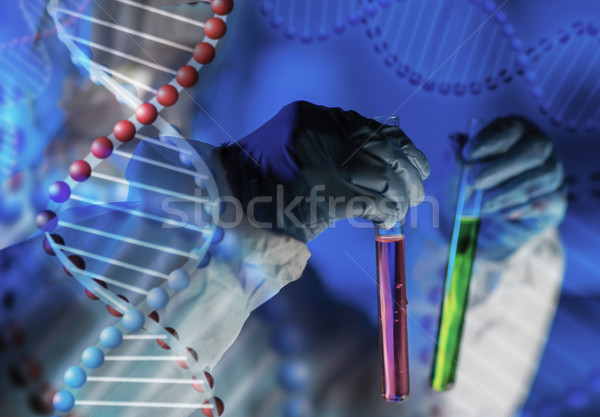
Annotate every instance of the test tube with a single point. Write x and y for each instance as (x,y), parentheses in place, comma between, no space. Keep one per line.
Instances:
(391,298)
(458,277)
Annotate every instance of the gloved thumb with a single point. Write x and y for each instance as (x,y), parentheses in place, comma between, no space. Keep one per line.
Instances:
(408,148)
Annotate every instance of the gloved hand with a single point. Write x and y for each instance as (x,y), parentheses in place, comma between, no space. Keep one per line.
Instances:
(517,167)
(311,165)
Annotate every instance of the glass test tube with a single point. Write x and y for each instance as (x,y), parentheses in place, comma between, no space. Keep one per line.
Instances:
(458,277)
(391,297)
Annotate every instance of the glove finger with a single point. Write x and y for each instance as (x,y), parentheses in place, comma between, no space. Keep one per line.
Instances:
(544,211)
(506,231)
(408,174)
(348,200)
(399,180)
(408,148)
(494,139)
(411,178)
(385,213)
(498,239)
(525,187)
(366,170)
(528,153)
(381,210)
(359,199)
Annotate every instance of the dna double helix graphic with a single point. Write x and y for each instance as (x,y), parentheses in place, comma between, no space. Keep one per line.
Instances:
(449,64)
(463,48)
(310,21)
(25,342)
(24,60)
(456,47)
(130,255)
(11,143)
(564,77)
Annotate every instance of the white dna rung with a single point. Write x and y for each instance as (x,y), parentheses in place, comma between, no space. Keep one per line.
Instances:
(24,61)
(569,94)
(139,46)
(129,374)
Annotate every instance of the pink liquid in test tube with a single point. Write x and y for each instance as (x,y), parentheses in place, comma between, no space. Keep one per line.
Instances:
(393,337)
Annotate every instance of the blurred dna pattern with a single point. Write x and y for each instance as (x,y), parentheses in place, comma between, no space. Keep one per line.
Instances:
(24,61)
(568,94)
(454,47)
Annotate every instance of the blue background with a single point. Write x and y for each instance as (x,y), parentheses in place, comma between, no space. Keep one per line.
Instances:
(264,64)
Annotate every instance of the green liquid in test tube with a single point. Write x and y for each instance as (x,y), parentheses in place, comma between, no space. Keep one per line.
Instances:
(458,278)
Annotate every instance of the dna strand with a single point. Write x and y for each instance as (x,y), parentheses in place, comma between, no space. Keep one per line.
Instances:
(24,60)
(459,47)
(568,93)
(26,374)
(128,354)
(319,20)
(11,143)
(16,205)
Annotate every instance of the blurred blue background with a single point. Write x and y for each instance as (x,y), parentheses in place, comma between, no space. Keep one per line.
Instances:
(433,63)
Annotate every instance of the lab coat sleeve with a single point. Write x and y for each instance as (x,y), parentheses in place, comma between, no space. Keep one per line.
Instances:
(247,268)
(505,332)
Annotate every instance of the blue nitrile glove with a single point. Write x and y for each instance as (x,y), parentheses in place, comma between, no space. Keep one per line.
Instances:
(523,181)
(315,162)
